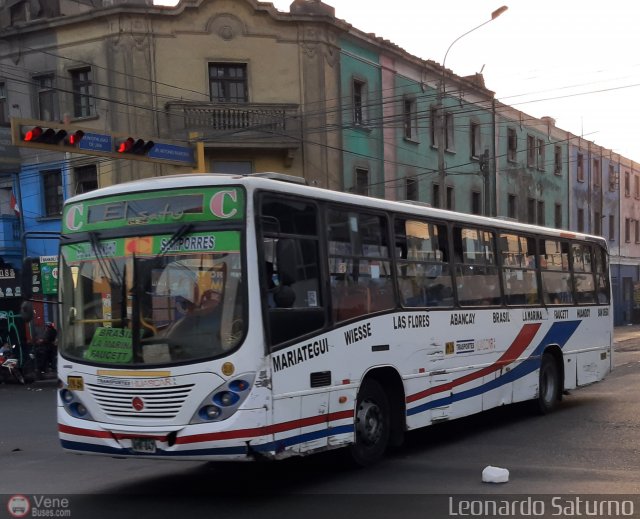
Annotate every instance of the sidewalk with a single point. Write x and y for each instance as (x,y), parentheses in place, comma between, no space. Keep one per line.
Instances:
(626,333)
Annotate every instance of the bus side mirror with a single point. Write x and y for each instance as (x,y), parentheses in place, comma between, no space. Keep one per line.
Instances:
(26,311)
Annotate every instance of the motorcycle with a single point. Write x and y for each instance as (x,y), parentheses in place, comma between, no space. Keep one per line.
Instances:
(18,366)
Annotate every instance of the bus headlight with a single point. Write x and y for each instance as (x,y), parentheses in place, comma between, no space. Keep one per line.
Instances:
(225,400)
(72,404)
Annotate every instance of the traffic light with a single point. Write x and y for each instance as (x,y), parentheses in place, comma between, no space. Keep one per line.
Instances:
(44,136)
(135,146)
(75,138)
(39,135)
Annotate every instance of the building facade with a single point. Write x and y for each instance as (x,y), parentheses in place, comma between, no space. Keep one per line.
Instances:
(301,92)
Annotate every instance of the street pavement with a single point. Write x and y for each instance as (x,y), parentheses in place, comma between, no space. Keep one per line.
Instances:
(622,334)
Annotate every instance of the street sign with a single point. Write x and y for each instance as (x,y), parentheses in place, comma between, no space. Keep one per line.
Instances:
(96,142)
(172,152)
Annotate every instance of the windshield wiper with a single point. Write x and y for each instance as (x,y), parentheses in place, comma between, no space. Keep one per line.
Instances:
(185,229)
(110,270)
(106,263)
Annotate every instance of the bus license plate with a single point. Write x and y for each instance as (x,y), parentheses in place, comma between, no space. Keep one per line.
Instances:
(144,445)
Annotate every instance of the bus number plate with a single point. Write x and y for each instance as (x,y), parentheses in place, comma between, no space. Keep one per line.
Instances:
(144,445)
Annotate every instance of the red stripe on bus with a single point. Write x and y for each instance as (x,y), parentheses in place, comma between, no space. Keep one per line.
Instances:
(77,431)
(514,351)
(266,430)
(222,435)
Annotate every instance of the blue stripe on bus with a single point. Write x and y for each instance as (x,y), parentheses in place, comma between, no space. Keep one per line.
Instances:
(559,333)
(278,445)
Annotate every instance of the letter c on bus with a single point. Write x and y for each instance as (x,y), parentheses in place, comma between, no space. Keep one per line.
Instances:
(217,203)
(70,220)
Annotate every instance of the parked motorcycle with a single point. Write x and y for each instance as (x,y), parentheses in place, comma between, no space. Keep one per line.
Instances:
(17,365)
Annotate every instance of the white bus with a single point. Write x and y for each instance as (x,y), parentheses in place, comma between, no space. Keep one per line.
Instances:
(219,317)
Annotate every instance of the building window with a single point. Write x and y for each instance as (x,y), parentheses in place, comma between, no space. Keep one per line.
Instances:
(558,216)
(557,160)
(512,144)
(580,167)
(612,227)
(359,102)
(476,206)
(235,167)
(511,207)
(627,230)
(410,119)
(637,231)
(597,173)
(19,13)
(4,106)
(435,195)
(531,211)
(450,199)
(531,151)
(228,82)
(475,141)
(450,143)
(636,187)
(86,178)
(627,184)
(52,190)
(541,219)
(434,126)
(540,154)
(82,86)
(580,220)
(597,221)
(362,181)
(47,98)
(411,188)
(613,178)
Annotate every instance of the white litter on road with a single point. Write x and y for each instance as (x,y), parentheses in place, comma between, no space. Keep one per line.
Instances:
(495,475)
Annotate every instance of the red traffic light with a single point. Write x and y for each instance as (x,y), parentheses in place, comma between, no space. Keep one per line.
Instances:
(138,147)
(33,134)
(126,145)
(48,136)
(75,138)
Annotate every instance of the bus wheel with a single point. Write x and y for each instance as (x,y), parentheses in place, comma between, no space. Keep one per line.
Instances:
(548,385)
(372,424)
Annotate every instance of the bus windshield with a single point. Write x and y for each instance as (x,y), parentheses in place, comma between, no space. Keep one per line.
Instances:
(152,299)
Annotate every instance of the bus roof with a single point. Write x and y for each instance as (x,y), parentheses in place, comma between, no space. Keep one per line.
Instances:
(288,184)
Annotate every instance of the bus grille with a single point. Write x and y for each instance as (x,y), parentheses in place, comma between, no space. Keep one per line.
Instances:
(162,402)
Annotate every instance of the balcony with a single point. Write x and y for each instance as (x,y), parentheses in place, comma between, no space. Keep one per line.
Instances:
(231,125)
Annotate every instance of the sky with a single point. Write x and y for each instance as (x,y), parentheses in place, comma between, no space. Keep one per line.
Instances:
(576,61)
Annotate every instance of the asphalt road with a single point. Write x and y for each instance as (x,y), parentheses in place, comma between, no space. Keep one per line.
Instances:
(591,445)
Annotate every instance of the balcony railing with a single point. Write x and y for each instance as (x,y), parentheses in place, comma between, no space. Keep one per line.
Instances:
(272,125)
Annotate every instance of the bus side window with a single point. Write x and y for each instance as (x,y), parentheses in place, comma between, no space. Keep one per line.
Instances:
(422,259)
(602,277)
(519,277)
(476,273)
(291,271)
(583,273)
(556,276)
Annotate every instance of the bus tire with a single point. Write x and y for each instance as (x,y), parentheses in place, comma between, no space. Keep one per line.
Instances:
(372,424)
(548,384)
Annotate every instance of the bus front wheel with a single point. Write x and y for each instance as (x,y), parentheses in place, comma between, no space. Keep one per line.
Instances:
(548,385)
(372,424)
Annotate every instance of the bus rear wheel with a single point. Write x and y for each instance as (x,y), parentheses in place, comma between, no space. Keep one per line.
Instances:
(372,424)
(548,385)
